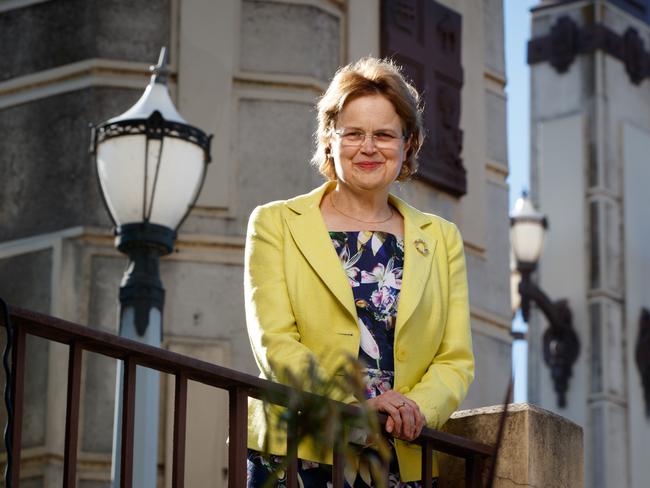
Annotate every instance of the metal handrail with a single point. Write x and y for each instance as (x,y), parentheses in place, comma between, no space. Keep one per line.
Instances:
(239,385)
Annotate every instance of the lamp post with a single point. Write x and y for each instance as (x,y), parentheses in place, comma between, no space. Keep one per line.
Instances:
(151,166)
(561,345)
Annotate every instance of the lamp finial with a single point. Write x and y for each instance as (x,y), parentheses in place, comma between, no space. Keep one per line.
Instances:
(161,70)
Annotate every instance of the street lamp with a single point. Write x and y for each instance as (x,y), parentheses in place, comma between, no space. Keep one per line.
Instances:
(151,165)
(561,345)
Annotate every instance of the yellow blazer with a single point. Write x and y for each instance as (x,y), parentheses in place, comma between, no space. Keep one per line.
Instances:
(299,303)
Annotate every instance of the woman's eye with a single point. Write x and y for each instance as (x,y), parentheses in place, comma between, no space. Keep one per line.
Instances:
(353,135)
(384,136)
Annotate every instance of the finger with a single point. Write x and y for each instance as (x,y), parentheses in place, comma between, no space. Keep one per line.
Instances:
(408,421)
(419,425)
(411,403)
(422,421)
(397,420)
(393,416)
(390,425)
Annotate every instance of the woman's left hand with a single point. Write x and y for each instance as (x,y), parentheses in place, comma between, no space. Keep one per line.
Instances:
(405,420)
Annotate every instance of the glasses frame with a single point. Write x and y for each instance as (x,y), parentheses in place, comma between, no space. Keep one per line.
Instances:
(373,137)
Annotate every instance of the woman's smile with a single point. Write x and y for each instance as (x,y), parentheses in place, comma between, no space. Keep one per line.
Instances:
(368,165)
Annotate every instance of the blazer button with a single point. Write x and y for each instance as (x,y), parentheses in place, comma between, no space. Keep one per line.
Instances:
(401,355)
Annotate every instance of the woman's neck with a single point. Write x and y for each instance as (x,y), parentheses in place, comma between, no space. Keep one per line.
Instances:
(372,206)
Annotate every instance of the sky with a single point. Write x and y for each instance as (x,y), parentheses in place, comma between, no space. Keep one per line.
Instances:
(517,33)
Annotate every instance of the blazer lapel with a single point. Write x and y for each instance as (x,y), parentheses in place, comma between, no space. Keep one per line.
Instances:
(419,249)
(312,238)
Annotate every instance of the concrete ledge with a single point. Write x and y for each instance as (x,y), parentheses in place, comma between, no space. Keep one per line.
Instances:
(540,449)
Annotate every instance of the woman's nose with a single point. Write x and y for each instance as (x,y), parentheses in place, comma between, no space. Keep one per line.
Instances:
(368,145)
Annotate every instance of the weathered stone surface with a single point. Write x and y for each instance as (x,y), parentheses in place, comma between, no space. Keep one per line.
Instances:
(56,33)
(207,301)
(289,38)
(94,484)
(99,404)
(496,296)
(25,282)
(49,180)
(275,146)
(495,126)
(492,370)
(540,449)
(36,482)
(105,277)
(493,32)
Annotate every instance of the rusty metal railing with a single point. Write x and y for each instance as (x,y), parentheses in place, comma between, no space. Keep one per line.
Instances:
(239,385)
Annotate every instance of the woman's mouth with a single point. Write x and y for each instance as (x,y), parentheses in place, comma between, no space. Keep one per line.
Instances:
(368,165)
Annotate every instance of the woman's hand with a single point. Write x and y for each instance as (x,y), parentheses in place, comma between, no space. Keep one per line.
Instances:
(405,421)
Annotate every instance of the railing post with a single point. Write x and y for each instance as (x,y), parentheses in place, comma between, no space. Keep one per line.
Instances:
(292,454)
(338,462)
(180,418)
(72,415)
(128,416)
(427,465)
(473,471)
(238,435)
(17,397)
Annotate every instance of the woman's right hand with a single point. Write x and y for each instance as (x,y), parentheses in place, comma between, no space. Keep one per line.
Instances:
(405,420)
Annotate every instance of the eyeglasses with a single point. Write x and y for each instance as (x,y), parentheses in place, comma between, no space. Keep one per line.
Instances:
(381,139)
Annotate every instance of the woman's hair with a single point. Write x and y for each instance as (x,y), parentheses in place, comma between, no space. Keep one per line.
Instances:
(369,76)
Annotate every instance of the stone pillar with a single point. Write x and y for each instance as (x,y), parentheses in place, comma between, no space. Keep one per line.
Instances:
(539,449)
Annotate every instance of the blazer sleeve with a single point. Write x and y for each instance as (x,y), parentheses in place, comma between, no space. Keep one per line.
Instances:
(445,383)
(270,320)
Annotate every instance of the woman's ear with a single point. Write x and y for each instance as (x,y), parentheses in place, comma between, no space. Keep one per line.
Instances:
(407,147)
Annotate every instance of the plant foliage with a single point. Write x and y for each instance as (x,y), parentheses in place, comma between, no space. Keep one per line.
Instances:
(326,423)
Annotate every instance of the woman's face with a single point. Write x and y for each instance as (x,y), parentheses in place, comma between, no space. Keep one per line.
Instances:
(365,163)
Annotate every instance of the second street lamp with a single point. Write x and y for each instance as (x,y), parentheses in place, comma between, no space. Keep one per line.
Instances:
(151,165)
(561,345)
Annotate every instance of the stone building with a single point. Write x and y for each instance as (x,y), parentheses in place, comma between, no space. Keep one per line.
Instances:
(248,71)
(590,126)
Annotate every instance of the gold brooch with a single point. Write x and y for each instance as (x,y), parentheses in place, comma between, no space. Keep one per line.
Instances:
(421,246)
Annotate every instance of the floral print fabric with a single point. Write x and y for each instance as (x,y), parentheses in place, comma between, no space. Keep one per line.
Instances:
(373,262)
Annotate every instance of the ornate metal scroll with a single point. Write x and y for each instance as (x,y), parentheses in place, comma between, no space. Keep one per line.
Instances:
(567,40)
(561,345)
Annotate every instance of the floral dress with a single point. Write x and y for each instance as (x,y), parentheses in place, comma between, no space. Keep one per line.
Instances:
(373,262)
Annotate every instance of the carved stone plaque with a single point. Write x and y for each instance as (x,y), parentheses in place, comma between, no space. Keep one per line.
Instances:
(424,37)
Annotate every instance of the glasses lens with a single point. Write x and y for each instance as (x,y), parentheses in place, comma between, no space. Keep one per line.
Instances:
(381,140)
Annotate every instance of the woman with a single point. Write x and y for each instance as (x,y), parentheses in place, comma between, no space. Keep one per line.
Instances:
(350,269)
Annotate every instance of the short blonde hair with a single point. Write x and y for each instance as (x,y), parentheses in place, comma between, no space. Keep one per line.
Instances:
(369,76)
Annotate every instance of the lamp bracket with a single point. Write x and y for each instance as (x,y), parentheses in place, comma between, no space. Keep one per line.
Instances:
(560,341)
(643,356)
